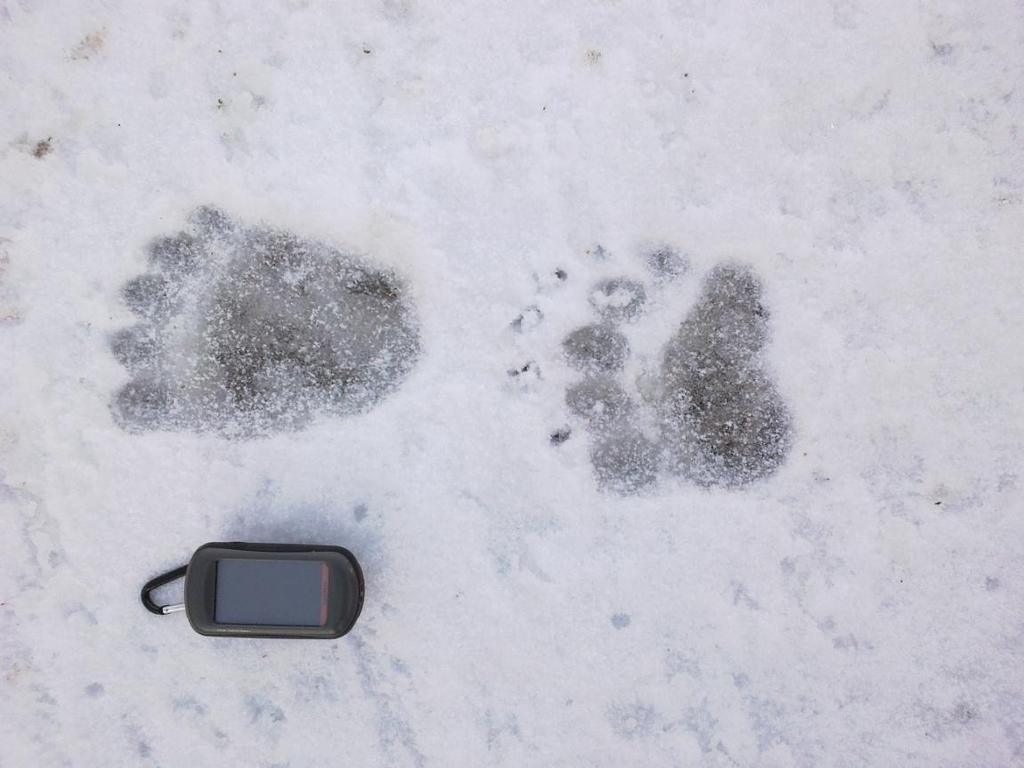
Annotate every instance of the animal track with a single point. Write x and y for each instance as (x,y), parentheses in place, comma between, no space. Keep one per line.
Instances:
(618,299)
(596,348)
(717,416)
(723,421)
(247,330)
(666,264)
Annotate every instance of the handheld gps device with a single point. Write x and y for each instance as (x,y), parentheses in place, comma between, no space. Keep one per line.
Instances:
(234,589)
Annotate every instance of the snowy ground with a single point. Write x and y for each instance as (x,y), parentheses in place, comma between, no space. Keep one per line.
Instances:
(848,591)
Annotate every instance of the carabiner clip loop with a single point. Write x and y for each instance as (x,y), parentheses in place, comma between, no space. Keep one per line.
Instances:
(159,581)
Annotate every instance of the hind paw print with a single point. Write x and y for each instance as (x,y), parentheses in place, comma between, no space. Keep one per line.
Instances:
(246,330)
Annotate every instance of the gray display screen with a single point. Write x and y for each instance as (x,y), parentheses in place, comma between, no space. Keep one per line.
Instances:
(284,593)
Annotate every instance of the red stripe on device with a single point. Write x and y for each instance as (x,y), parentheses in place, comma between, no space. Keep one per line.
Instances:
(324,584)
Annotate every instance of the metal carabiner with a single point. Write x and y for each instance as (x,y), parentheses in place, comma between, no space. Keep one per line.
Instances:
(159,581)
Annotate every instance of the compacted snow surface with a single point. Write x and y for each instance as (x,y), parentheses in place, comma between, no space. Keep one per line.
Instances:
(661,363)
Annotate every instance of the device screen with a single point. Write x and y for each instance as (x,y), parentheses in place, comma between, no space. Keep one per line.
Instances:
(284,593)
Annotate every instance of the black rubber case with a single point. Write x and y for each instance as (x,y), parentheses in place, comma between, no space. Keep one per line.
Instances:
(345,588)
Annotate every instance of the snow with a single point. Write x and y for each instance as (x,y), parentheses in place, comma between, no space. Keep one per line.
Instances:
(549,582)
